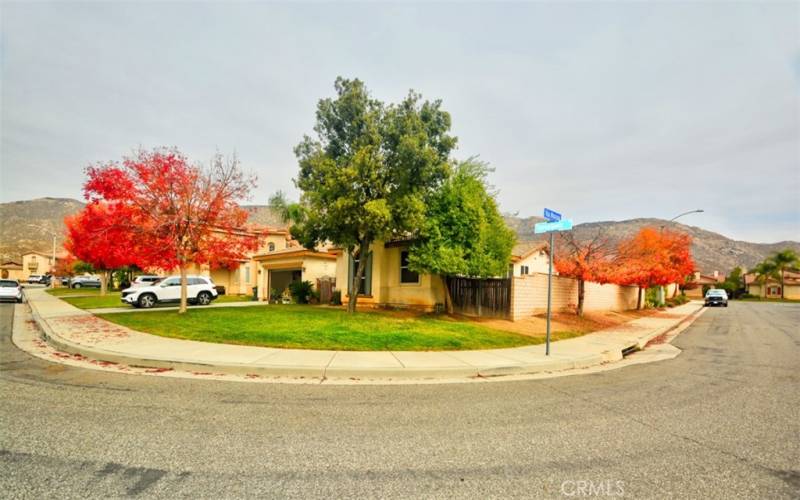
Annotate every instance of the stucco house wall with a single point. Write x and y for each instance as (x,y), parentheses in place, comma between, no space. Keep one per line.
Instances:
(387,290)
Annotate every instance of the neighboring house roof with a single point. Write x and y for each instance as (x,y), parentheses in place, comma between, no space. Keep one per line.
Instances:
(705,279)
(524,250)
(11,265)
(294,252)
(49,255)
(789,278)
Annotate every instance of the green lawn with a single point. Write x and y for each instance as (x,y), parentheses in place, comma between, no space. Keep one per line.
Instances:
(310,327)
(112,299)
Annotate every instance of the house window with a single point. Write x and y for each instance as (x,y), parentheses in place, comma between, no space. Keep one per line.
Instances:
(523,270)
(247,273)
(270,247)
(406,274)
(365,287)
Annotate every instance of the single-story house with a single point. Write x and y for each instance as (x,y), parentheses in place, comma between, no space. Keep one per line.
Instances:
(280,267)
(11,270)
(771,287)
(530,257)
(387,280)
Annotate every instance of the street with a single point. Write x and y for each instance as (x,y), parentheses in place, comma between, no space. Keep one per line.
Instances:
(722,420)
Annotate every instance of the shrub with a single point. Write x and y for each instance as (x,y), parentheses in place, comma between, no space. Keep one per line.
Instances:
(301,291)
(336,298)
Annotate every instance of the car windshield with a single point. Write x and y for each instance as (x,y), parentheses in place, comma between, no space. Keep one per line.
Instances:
(715,293)
(8,284)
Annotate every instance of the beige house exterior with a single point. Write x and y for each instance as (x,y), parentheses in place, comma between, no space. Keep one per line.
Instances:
(530,258)
(11,270)
(36,263)
(388,282)
(771,287)
(279,267)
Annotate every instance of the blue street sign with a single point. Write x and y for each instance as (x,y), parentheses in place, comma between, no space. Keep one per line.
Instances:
(549,227)
(551,215)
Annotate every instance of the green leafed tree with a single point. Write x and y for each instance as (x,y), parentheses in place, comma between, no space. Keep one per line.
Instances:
(783,261)
(463,233)
(366,174)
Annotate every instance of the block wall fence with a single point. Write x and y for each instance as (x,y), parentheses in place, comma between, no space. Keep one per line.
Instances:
(529,295)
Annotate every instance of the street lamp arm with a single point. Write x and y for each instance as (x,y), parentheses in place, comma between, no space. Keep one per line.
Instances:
(697,211)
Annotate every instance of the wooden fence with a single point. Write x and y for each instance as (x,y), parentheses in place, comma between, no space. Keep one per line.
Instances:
(481,297)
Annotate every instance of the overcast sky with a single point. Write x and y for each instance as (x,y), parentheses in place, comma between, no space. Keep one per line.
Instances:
(603,112)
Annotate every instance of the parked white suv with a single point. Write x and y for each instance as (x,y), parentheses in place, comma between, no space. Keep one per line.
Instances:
(200,290)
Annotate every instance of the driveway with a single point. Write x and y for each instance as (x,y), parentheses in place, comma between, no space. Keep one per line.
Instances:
(721,420)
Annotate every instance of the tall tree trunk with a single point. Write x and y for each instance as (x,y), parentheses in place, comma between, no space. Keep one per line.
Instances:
(782,278)
(448,299)
(355,285)
(639,300)
(581,294)
(103,283)
(184,284)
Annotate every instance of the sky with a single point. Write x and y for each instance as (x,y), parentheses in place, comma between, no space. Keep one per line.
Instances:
(605,111)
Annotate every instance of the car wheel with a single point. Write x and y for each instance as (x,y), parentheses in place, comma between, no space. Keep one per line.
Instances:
(204,298)
(19,300)
(147,300)
(76,285)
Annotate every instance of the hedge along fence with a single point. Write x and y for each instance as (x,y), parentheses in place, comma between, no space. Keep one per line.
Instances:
(529,295)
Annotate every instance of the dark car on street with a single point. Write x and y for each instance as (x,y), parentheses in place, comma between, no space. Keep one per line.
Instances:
(85,282)
(716,297)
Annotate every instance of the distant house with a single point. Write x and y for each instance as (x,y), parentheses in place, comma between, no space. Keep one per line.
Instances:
(704,281)
(11,270)
(38,263)
(529,258)
(771,287)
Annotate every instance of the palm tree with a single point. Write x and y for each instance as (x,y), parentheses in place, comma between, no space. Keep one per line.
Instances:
(765,270)
(786,259)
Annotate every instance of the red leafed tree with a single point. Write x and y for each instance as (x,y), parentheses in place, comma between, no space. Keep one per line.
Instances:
(64,266)
(583,260)
(179,214)
(653,257)
(100,235)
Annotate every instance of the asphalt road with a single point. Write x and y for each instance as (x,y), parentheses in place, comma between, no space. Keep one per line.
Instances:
(722,420)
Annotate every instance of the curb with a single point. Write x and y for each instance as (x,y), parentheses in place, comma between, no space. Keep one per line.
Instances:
(513,368)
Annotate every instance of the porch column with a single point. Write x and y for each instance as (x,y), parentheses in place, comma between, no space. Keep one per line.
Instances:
(263,283)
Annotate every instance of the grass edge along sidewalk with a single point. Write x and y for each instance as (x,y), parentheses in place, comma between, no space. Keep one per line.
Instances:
(134,348)
(325,328)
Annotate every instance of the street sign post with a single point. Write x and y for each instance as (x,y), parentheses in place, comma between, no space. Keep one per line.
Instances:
(555,223)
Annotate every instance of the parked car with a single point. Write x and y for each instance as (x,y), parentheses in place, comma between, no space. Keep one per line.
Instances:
(145,280)
(34,278)
(84,282)
(200,290)
(10,290)
(65,280)
(716,297)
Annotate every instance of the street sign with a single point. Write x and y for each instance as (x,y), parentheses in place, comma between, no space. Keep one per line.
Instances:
(551,215)
(549,227)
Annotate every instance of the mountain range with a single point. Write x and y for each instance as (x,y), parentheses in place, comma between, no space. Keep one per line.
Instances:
(29,225)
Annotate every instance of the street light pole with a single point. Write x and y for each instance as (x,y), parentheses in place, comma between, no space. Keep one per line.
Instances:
(661,294)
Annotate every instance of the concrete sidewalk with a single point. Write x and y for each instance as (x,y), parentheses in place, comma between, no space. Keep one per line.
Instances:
(76,331)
